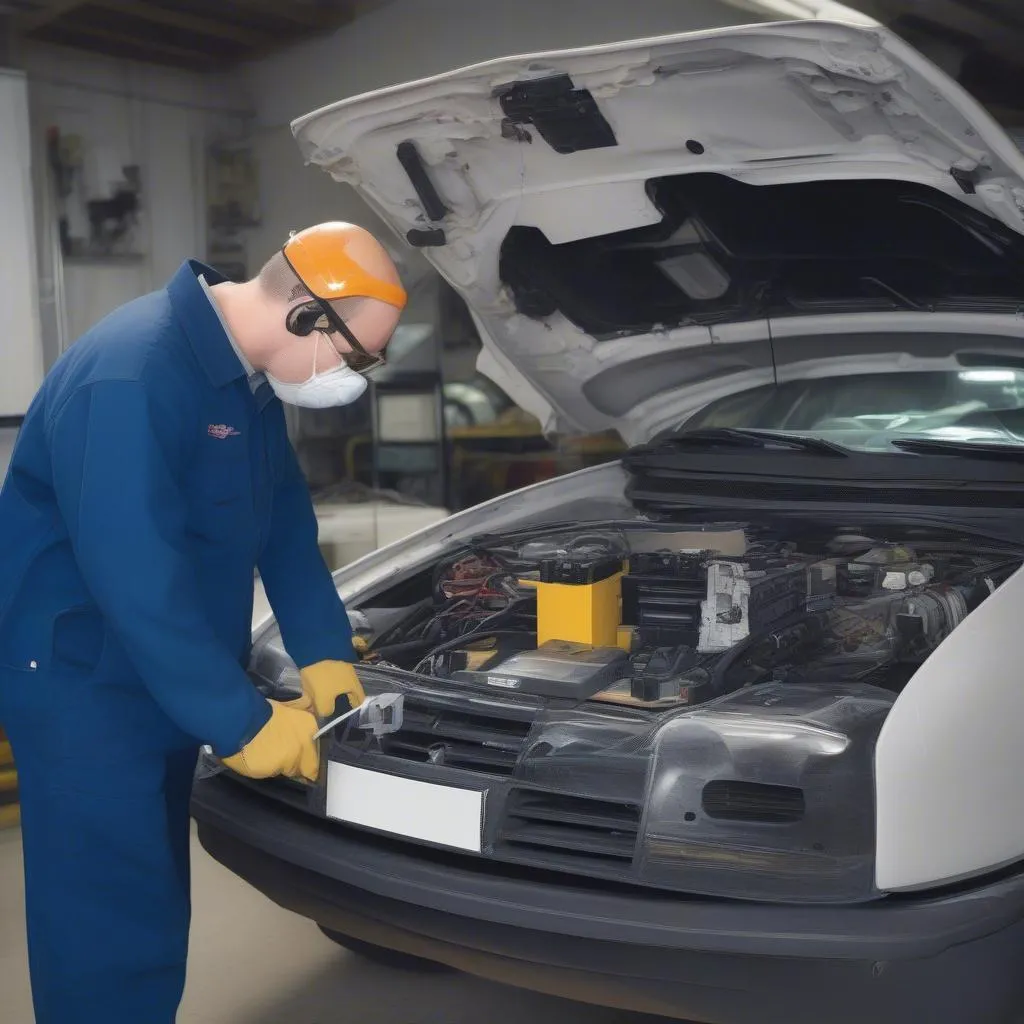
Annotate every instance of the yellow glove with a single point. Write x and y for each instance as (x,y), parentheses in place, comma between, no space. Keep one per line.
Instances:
(284,746)
(326,681)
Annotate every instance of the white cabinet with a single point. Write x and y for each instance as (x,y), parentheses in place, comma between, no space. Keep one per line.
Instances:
(21,352)
(349,531)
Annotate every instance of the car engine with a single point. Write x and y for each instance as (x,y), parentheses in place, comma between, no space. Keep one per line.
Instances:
(651,617)
(690,706)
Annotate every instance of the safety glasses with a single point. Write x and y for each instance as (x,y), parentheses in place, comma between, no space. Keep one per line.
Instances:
(359,360)
(358,283)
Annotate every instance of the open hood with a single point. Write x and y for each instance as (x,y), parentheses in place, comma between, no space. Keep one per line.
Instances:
(633,224)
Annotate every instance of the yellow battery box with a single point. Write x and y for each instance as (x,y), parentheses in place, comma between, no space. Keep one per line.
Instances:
(579,602)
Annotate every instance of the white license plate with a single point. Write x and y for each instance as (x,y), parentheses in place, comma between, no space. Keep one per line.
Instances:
(442,815)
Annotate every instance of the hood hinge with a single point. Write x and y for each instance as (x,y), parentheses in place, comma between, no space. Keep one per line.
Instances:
(967,180)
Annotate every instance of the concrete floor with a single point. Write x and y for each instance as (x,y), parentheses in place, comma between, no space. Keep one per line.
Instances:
(291,972)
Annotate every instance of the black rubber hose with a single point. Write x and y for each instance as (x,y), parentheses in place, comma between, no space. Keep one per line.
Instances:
(729,658)
(469,638)
(394,651)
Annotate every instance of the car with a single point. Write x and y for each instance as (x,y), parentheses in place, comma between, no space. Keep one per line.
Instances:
(729,730)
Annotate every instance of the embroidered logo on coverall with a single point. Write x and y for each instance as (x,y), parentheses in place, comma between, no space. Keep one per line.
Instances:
(222,430)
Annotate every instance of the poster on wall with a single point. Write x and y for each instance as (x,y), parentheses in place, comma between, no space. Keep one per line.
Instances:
(232,187)
(97,187)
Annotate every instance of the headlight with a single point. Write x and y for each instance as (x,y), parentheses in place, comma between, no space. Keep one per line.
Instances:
(768,795)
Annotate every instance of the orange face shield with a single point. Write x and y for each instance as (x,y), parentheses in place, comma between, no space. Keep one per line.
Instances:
(332,260)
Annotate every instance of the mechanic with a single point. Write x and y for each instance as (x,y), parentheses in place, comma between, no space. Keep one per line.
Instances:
(151,477)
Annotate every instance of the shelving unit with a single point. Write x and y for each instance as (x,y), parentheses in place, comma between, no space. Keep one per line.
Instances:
(409,435)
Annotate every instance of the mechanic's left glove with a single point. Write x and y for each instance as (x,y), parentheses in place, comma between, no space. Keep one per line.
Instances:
(326,681)
(284,746)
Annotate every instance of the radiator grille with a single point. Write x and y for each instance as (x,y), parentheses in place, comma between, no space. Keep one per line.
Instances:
(728,800)
(566,829)
(473,740)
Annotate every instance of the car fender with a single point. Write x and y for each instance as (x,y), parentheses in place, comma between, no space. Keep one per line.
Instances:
(949,762)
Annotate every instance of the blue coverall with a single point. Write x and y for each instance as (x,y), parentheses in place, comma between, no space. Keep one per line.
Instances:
(147,483)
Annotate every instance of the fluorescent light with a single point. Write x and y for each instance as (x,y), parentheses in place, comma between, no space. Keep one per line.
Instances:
(807,10)
(989,376)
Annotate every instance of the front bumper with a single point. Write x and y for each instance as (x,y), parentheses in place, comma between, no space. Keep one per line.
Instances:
(764,795)
(946,960)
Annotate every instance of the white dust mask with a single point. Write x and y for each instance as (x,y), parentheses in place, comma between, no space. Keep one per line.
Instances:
(340,386)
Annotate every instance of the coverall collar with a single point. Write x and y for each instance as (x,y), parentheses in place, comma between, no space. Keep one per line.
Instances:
(256,380)
(203,326)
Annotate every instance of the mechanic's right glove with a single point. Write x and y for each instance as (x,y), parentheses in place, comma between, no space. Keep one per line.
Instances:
(284,746)
(326,681)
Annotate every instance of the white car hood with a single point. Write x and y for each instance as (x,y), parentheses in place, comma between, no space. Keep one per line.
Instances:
(769,105)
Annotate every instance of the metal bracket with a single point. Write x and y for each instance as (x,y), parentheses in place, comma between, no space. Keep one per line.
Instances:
(567,119)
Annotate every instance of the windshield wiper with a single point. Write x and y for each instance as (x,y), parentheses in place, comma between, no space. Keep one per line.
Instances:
(764,439)
(971,449)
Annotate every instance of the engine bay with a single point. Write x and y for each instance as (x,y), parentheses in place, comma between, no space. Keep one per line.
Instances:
(688,705)
(656,617)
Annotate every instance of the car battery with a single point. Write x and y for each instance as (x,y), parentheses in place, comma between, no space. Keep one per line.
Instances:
(578,601)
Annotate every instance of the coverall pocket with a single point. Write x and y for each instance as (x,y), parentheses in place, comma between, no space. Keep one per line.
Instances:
(79,637)
(24,703)
(16,663)
(220,506)
(22,650)
(224,521)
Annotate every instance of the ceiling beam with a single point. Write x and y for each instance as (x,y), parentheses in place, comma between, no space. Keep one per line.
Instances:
(341,17)
(222,29)
(53,10)
(312,16)
(76,36)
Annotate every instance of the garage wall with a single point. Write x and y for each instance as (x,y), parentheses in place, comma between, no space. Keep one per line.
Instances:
(156,117)
(8,435)
(21,361)
(409,39)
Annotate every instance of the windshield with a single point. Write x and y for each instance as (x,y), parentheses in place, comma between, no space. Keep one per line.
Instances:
(868,411)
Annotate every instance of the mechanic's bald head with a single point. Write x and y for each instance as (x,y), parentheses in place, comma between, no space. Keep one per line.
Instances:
(324,306)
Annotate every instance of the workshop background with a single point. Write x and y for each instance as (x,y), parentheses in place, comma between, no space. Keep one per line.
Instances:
(137,133)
